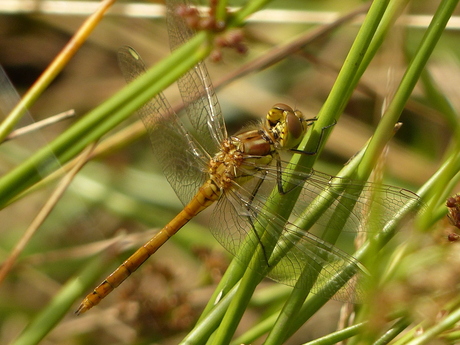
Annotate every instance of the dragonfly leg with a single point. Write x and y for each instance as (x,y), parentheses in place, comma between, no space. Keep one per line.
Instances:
(312,153)
(279,173)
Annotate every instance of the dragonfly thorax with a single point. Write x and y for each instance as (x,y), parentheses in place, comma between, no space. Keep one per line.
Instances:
(250,148)
(283,128)
(223,166)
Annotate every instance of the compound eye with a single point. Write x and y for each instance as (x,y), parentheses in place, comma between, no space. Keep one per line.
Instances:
(294,126)
(282,107)
(277,113)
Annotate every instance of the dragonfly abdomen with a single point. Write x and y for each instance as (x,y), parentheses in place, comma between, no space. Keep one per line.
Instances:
(205,196)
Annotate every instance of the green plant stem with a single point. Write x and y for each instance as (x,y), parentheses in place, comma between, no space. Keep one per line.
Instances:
(431,333)
(446,183)
(387,124)
(49,317)
(435,95)
(334,105)
(336,337)
(393,332)
(392,12)
(408,335)
(452,337)
(410,78)
(221,11)
(315,302)
(344,85)
(207,324)
(249,8)
(261,328)
(440,189)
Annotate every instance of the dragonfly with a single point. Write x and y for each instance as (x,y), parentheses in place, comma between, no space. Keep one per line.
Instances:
(239,173)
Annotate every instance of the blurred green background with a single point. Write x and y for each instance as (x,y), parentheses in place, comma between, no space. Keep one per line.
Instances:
(124,193)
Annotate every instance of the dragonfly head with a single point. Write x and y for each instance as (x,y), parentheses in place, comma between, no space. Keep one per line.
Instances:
(286,125)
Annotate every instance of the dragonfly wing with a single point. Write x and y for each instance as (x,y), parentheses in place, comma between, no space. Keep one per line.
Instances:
(196,88)
(357,206)
(317,259)
(297,255)
(181,159)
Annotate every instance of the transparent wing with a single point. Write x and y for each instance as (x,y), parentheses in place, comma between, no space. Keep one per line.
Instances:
(296,254)
(196,88)
(182,160)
